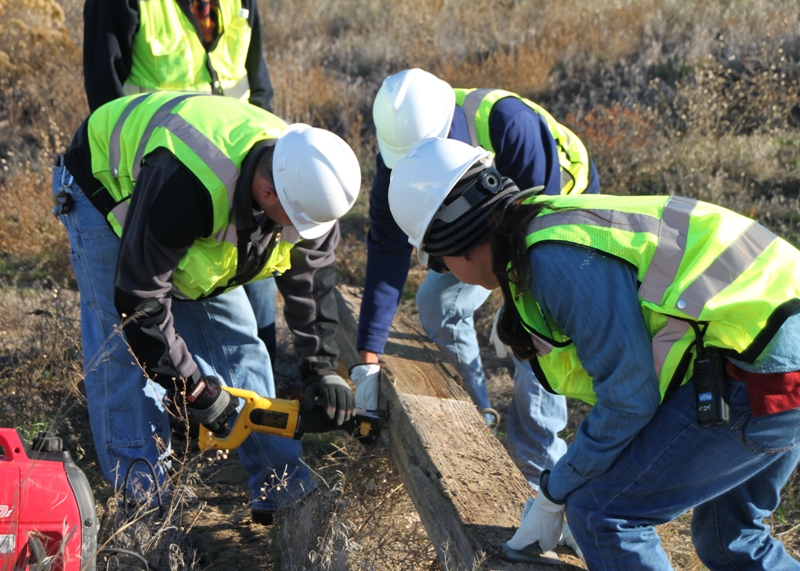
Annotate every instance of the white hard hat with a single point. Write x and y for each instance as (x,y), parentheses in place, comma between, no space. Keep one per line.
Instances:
(317,178)
(410,106)
(421,181)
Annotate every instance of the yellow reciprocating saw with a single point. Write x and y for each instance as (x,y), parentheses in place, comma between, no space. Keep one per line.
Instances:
(286,418)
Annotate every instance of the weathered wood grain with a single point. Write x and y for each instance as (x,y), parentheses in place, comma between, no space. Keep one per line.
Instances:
(467,491)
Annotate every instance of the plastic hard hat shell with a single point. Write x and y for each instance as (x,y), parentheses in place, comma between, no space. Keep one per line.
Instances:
(317,178)
(421,181)
(411,106)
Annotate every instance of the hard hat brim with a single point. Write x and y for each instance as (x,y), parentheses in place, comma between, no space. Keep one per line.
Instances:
(311,231)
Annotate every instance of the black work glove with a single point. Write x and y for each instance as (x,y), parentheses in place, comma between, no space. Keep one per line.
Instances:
(209,404)
(338,397)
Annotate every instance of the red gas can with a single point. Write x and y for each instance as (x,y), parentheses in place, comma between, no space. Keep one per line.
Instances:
(47,512)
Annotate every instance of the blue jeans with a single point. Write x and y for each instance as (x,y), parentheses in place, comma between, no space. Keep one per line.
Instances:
(731,475)
(535,417)
(126,414)
(262,299)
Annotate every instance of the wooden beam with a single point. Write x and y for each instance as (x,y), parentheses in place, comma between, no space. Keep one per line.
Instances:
(468,492)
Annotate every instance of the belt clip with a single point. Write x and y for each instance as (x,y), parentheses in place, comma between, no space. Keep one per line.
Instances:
(63,201)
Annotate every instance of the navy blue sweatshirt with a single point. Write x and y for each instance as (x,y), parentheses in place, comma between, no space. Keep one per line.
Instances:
(525,151)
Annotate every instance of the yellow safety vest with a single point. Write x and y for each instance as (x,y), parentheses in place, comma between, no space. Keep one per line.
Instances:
(572,154)
(696,262)
(169,55)
(211,136)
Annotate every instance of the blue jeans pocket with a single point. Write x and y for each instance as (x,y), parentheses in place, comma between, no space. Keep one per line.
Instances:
(769,434)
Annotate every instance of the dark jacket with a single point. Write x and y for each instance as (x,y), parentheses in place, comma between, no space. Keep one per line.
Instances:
(168,212)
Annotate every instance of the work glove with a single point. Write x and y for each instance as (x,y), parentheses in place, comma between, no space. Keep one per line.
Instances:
(338,397)
(568,540)
(501,349)
(209,404)
(542,520)
(366,377)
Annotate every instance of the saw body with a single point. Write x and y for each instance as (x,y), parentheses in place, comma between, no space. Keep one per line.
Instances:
(286,418)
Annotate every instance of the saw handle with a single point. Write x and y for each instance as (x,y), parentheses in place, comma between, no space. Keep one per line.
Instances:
(278,417)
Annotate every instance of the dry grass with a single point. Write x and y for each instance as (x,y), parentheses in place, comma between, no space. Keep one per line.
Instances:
(694,98)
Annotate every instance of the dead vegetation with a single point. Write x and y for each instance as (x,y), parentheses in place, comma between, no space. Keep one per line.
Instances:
(693,98)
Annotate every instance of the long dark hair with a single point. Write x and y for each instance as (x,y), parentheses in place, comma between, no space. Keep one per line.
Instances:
(510,228)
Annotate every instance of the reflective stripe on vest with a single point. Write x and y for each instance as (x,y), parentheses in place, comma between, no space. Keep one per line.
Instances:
(211,136)
(737,258)
(205,149)
(114,150)
(672,230)
(573,156)
(694,262)
(115,144)
(220,164)
(471,105)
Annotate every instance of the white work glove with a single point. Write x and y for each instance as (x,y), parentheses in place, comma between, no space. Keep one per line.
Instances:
(568,540)
(366,377)
(500,348)
(542,520)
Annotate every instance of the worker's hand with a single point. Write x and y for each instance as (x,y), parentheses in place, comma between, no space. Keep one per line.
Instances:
(568,540)
(209,404)
(340,402)
(542,521)
(366,377)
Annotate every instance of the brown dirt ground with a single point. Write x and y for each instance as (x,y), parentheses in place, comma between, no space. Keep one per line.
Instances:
(361,517)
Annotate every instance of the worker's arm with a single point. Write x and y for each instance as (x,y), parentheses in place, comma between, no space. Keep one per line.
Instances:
(108,30)
(309,298)
(261,90)
(388,257)
(168,212)
(525,151)
(312,314)
(595,302)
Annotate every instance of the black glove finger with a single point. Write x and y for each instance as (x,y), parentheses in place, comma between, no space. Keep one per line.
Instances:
(345,404)
(350,398)
(345,407)
(219,428)
(342,414)
(330,403)
(309,396)
(219,425)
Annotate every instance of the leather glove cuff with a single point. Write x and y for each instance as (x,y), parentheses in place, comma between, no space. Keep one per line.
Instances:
(206,400)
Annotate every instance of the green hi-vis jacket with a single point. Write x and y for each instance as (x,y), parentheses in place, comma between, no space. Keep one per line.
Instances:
(696,262)
(168,53)
(212,141)
(572,154)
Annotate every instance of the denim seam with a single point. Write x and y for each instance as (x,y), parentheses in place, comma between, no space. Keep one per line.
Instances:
(738,431)
(717,536)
